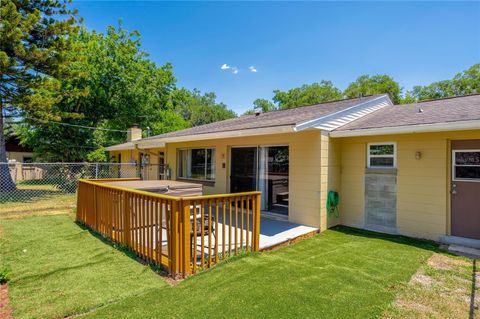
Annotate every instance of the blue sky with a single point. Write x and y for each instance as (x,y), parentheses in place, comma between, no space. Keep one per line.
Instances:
(293,43)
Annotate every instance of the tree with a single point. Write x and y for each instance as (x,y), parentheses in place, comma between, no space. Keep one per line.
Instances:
(315,93)
(377,84)
(199,109)
(463,83)
(261,105)
(264,105)
(34,52)
(120,87)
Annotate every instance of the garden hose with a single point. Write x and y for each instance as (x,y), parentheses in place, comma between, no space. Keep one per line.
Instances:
(333,200)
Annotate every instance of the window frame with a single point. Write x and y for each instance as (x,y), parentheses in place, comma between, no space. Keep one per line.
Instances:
(394,155)
(189,164)
(454,165)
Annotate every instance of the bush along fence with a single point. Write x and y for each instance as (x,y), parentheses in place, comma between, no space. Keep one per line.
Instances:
(180,234)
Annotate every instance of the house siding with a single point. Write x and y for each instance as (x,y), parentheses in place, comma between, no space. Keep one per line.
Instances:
(129,156)
(305,168)
(19,156)
(423,199)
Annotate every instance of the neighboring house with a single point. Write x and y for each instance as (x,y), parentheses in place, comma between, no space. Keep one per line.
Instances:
(17,152)
(408,169)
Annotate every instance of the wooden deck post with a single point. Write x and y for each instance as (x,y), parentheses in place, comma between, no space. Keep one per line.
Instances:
(126,219)
(185,243)
(256,221)
(95,209)
(174,253)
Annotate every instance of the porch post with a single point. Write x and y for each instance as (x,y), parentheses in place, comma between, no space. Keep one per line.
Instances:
(185,226)
(256,223)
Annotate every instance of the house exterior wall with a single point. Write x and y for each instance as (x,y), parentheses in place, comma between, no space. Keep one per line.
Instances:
(305,168)
(19,156)
(130,156)
(330,177)
(423,185)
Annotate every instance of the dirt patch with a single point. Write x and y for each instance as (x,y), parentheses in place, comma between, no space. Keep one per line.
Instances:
(420,278)
(411,305)
(5,309)
(441,288)
(438,261)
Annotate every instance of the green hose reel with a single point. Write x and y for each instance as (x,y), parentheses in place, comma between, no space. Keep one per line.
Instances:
(333,199)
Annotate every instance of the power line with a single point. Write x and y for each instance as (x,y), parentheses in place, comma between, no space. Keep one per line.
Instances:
(72,125)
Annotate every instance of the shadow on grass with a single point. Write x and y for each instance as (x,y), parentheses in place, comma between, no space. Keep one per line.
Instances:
(471,314)
(398,239)
(55,182)
(159,269)
(125,250)
(28,195)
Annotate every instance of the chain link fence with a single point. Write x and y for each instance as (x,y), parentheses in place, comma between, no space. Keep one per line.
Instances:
(34,187)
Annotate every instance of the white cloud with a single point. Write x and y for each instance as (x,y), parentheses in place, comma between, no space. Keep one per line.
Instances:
(252,69)
(225,66)
(234,70)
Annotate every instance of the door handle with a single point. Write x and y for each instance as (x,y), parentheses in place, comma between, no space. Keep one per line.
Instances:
(453,191)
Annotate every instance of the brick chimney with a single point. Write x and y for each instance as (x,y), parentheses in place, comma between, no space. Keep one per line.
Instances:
(134,133)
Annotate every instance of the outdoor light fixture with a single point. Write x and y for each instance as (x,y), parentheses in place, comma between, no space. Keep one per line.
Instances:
(418,155)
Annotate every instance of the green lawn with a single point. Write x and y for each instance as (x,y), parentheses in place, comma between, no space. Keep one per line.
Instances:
(59,269)
(35,199)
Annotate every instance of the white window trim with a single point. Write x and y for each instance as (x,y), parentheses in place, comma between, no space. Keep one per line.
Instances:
(189,160)
(454,178)
(394,156)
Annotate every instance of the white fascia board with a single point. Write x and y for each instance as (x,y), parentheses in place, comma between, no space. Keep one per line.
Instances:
(120,148)
(357,108)
(134,146)
(210,136)
(411,129)
(149,144)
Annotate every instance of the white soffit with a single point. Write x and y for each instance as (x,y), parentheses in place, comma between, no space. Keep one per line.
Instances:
(335,120)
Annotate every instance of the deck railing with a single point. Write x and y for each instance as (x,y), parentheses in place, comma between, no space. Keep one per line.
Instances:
(182,234)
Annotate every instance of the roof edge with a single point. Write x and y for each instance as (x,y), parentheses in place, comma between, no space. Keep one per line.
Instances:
(218,135)
(410,129)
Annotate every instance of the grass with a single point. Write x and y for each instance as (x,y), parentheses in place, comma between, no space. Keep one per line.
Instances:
(59,269)
(441,288)
(32,199)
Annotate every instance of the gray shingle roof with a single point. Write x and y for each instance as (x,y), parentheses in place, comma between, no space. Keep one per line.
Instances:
(455,109)
(270,119)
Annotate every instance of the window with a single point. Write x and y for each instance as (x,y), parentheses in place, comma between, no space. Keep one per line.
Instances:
(382,155)
(466,165)
(196,163)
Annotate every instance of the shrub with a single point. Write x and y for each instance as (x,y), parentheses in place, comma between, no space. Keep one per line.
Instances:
(4,275)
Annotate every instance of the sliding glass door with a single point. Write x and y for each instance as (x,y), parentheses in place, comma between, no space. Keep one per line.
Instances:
(243,170)
(263,168)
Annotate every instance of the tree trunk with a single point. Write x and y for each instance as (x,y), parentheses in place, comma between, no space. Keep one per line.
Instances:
(6,181)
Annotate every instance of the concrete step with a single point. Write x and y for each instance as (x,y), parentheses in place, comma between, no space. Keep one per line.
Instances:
(465,251)
(460,241)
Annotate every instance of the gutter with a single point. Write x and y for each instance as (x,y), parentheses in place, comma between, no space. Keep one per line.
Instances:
(411,129)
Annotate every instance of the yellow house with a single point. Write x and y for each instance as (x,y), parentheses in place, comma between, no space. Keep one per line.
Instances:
(404,169)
